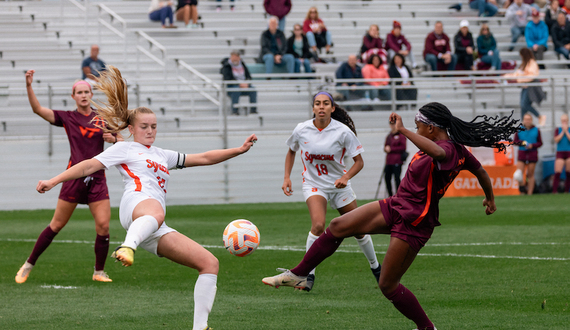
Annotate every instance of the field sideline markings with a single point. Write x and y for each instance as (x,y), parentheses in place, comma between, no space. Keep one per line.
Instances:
(302,249)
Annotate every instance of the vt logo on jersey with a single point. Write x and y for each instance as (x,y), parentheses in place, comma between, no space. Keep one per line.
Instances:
(156,166)
(310,157)
(88,131)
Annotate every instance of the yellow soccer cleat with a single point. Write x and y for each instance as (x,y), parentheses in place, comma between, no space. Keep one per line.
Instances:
(24,272)
(125,255)
(101,276)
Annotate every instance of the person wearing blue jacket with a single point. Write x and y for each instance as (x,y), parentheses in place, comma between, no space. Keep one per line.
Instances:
(536,34)
(528,141)
(487,47)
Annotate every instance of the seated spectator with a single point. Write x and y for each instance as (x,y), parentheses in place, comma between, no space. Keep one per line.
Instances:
(187,10)
(396,43)
(486,8)
(160,10)
(518,14)
(274,48)
(279,9)
(92,65)
(298,46)
(350,70)
(551,14)
(399,70)
(376,70)
(316,31)
(234,69)
(536,34)
(536,4)
(566,9)
(561,35)
(487,48)
(464,46)
(372,44)
(437,49)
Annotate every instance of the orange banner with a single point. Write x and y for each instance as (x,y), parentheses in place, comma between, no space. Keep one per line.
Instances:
(466,184)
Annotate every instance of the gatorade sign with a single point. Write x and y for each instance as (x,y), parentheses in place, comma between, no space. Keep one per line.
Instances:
(466,184)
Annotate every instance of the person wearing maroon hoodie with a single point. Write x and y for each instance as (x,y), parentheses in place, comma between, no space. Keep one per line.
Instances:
(372,44)
(437,49)
(278,8)
(396,43)
(394,147)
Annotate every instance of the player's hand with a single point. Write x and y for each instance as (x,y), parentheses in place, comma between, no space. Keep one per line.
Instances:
(248,143)
(387,149)
(397,120)
(109,138)
(287,187)
(341,183)
(490,206)
(30,77)
(44,185)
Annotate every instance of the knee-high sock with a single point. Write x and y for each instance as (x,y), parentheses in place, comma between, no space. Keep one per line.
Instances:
(140,230)
(321,249)
(556,182)
(101,251)
(367,248)
(310,240)
(567,183)
(405,302)
(44,240)
(204,295)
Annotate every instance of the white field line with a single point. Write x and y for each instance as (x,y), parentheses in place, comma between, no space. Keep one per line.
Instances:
(302,248)
(58,287)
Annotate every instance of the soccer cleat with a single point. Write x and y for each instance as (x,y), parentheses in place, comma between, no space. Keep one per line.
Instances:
(208,328)
(101,276)
(286,278)
(24,272)
(125,255)
(310,282)
(376,272)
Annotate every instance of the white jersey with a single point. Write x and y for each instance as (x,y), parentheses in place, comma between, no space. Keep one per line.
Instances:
(144,169)
(323,151)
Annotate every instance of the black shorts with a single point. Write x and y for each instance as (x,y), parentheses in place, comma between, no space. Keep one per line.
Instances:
(182,3)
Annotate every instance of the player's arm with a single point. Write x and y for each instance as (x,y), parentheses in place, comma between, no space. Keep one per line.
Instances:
(424,144)
(289,162)
(43,112)
(485,182)
(217,156)
(356,167)
(79,170)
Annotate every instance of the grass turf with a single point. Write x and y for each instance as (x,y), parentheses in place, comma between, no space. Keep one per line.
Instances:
(505,271)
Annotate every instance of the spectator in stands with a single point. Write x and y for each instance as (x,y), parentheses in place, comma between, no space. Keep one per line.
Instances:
(219,8)
(298,46)
(464,46)
(160,10)
(437,49)
(372,44)
(561,35)
(375,70)
(536,4)
(486,8)
(562,140)
(399,70)
(274,48)
(536,34)
(397,43)
(566,9)
(92,66)
(487,48)
(551,14)
(350,70)
(518,14)
(234,69)
(529,141)
(187,10)
(316,31)
(279,9)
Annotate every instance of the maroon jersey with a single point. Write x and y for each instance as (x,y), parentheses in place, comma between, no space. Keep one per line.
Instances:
(425,183)
(397,143)
(85,140)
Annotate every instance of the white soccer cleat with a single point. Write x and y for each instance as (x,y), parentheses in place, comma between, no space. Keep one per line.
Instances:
(286,278)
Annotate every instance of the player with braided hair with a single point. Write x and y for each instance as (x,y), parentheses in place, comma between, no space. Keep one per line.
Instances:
(411,215)
(323,141)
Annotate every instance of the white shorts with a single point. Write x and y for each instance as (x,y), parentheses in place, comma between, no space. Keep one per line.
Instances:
(128,204)
(337,199)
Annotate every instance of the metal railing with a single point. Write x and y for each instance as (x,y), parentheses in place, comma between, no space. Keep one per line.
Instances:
(104,10)
(152,43)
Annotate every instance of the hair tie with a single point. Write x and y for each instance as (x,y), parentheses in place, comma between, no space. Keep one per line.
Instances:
(324,93)
(79,83)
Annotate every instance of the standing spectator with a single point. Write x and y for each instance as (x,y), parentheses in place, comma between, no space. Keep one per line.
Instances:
(399,70)
(561,35)
(372,44)
(187,10)
(279,9)
(437,49)
(486,8)
(529,141)
(234,69)
(464,45)
(316,31)
(376,70)
(487,48)
(92,66)
(298,46)
(350,70)
(562,140)
(160,10)
(536,34)
(551,14)
(518,14)
(274,48)
(394,147)
(397,43)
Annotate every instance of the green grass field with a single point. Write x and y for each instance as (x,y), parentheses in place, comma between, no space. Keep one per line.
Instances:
(477,272)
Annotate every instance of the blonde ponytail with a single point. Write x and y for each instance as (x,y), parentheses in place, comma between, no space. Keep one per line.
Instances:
(114,113)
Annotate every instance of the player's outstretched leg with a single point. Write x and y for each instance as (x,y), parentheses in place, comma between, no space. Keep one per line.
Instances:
(125,255)
(286,278)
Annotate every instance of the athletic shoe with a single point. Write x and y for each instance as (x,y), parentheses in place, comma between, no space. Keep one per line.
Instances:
(101,276)
(208,328)
(286,278)
(125,255)
(376,272)
(310,282)
(24,272)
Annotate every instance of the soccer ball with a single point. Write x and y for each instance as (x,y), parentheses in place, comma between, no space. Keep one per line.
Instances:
(241,237)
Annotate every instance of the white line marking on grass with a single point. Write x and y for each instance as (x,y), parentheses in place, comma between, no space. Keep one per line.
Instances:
(58,287)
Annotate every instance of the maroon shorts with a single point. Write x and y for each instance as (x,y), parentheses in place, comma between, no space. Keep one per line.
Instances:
(401,229)
(528,156)
(562,154)
(82,192)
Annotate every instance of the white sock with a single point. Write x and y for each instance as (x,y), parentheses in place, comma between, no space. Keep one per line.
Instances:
(310,240)
(140,230)
(367,248)
(204,295)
